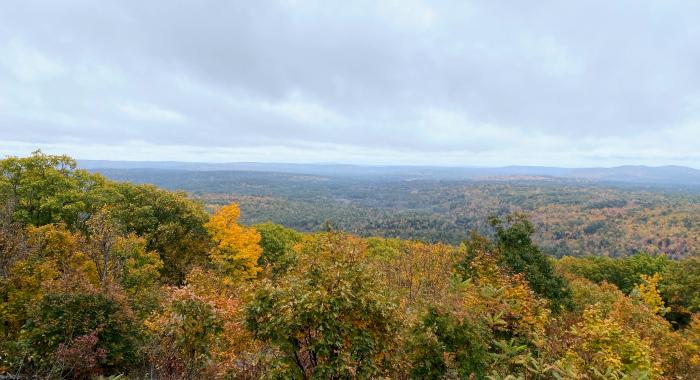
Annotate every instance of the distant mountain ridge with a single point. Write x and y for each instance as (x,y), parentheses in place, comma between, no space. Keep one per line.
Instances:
(638,174)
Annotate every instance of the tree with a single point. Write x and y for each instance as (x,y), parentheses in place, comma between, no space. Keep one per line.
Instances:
(48,189)
(417,273)
(634,317)
(691,346)
(517,252)
(198,331)
(277,243)
(648,293)
(49,264)
(491,323)
(625,273)
(601,348)
(44,189)
(99,246)
(326,316)
(171,224)
(13,240)
(443,346)
(184,334)
(139,273)
(680,289)
(236,250)
(62,318)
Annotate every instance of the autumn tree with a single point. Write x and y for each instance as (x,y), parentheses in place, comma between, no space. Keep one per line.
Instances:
(184,334)
(633,316)
(198,331)
(50,263)
(45,189)
(601,348)
(443,345)
(99,245)
(236,250)
(647,292)
(492,324)
(326,316)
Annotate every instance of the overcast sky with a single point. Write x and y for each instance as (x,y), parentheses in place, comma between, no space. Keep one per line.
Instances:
(564,83)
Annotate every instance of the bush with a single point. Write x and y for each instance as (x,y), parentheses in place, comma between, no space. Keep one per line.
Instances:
(61,320)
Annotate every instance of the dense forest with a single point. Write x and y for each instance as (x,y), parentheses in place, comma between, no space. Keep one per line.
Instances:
(100,278)
(572,217)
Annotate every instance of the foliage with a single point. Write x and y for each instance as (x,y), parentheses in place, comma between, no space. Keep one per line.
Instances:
(648,293)
(326,317)
(171,224)
(236,251)
(60,319)
(277,244)
(100,279)
(47,189)
(80,358)
(692,348)
(680,289)
(517,252)
(625,273)
(416,273)
(670,353)
(571,218)
(442,346)
(603,349)
(184,333)
(13,242)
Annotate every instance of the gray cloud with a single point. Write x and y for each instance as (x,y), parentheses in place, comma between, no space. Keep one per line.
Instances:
(443,82)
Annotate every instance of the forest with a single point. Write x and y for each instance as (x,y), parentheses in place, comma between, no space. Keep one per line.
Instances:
(107,279)
(571,217)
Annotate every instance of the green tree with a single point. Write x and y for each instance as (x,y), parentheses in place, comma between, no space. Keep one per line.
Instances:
(171,223)
(443,346)
(517,252)
(48,189)
(680,289)
(277,243)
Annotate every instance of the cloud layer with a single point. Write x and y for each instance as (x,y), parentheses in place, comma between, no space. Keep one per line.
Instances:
(444,82)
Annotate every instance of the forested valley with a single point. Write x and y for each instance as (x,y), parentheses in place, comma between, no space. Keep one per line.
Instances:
(571,217)
(108,279)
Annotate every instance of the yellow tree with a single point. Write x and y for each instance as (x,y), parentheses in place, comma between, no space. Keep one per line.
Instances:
(648,293)
(236,249)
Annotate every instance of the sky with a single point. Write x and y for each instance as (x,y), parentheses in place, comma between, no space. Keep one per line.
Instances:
(454,83)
